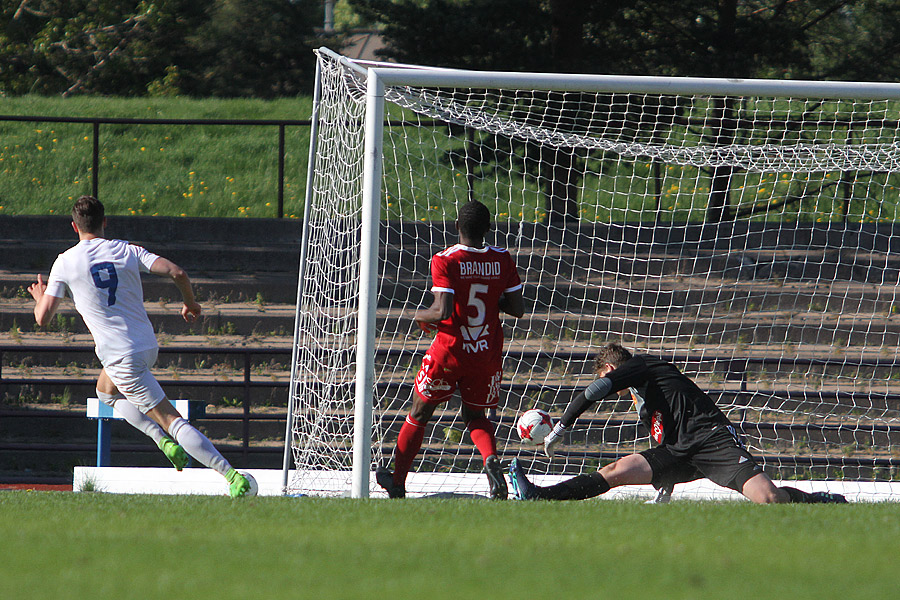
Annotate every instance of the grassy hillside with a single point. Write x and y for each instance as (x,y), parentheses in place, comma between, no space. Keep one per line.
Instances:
(232,171)
(190,170)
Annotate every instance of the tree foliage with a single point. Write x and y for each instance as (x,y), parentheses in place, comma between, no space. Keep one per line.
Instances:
(259,48)
(723,38)
(836,39)
(129,47)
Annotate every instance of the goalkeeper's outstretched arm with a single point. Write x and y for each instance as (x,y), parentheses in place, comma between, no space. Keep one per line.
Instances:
(598,390)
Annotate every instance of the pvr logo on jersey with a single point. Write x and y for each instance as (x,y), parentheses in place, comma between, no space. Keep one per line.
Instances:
(656,427)
(471,336)
(476,347)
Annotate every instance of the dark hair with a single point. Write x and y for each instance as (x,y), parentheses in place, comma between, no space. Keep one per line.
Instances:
(88,214)
(612,353)
(474,219)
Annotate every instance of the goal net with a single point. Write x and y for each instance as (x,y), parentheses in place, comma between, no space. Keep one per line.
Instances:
(745,230)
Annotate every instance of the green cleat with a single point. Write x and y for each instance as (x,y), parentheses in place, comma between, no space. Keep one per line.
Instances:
(238,486)
(175,453)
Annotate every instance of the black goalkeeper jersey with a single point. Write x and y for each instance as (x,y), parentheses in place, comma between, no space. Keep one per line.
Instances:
(677,412)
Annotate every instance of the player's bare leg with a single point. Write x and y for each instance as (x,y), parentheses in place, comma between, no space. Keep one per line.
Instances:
(762,490)
(628,470)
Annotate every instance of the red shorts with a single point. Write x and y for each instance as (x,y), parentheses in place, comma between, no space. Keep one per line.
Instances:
(437,379)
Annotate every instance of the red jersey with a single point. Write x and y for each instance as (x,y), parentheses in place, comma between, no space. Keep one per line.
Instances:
(477,278)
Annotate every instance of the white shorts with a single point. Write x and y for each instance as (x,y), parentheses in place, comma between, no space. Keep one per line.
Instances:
(131,375)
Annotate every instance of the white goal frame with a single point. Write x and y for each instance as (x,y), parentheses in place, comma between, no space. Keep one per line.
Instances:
(381,75)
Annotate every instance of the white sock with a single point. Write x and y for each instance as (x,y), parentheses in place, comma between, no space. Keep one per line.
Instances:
(198,445)
(133,415)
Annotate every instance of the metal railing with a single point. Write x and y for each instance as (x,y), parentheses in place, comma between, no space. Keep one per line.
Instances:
(246,383)
(96,122)
(733,369)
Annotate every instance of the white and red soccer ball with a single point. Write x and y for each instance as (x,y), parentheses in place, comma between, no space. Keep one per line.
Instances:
(254,487)
(534,425)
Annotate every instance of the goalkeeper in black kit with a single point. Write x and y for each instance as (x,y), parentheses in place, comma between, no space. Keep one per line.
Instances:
(693,438)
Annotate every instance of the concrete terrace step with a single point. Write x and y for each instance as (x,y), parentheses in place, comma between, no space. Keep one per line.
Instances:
(31,243)
(218,287)
(241,318)
(195,257)
(790,319)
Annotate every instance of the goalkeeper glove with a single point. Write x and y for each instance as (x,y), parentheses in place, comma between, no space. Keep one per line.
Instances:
(553,438)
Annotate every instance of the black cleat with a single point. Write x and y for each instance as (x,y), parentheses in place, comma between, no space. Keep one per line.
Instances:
(826,498)
(385,479)
(522,488)
(496,481)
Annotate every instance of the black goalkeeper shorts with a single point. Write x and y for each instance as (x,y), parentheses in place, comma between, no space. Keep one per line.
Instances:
(721,459)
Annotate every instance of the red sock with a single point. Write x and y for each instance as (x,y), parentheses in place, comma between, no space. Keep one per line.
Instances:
(409,441)
(481,431)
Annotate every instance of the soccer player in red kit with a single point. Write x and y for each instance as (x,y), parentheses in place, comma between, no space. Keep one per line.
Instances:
(471,282)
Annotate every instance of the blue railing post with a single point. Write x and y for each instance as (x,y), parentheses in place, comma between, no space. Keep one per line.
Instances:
(103,442)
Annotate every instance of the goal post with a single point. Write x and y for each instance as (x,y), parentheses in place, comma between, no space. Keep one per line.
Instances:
(744,229)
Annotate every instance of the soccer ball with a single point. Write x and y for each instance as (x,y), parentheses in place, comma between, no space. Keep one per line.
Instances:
(534,425)
(254,487)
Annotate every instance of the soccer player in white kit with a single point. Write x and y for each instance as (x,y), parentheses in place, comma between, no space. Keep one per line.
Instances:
(104,279)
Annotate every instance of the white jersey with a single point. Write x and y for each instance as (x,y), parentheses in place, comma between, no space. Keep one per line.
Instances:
(104,278)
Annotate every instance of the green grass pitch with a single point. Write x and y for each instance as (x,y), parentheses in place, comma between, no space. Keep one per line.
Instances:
(89,545)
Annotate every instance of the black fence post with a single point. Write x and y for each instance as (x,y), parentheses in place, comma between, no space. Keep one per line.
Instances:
(246,415)
(281,171)
(95,165)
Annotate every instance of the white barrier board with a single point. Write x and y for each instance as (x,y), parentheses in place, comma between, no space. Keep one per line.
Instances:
(145,480)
